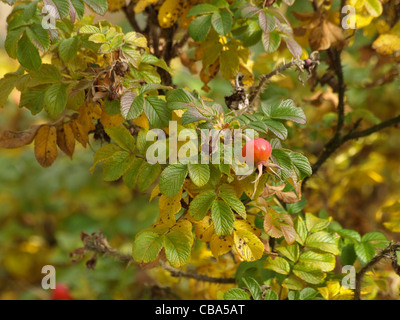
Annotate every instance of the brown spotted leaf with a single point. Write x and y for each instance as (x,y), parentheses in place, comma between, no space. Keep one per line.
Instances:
(66,139)
(46,146)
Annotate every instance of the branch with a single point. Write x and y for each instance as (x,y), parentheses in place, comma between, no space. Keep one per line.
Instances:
(266,77)
(337,141)
(385,124)
(200,277)
(97,243)
(388,252)
(128,10)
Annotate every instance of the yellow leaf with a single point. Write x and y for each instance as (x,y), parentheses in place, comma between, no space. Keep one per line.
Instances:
(248,245)
(142,121)
(143,4)
(169,207)
(386,44)
(115,5)
(66,139)
(246,225)
(204,229)
(46,146)
(220,245)
(111,121)
(394,221)
(169,13)
(80,133)
(155,192)
(334,291)
(209,73)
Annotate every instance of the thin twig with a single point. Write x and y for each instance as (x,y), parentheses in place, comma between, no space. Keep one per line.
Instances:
(388,252)
(97,242)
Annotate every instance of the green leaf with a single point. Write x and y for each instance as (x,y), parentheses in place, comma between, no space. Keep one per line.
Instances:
(122,137)
(348,255)
(33,99)
(103,154)
(199,173)
(285,110)
(199,28)
(271,41)
(177,248)
(222,22)
(62,7)
(322,261)
(222,217)
(98,6)
(278,264)
(301,230)
(296,207)
(117,41)
(201,204)
(147,246)
(179,99)
(316,224)
(79,7)
(115,166)
(136,106)
(98,38)
(203,8)
(148,173)
(365,251)
(68,48)
(228,194)
(156,111)
(271,295)
(38,36)
(130,176)
(282,159)
(55,99)
(236,294)
(11,42)
(172,179)
(266,22)
(89,29)
(324,241)
(301,164)
(7,84)
(259,126)
(374,7)
(27,54)
(308,294)
(308,274)
(254,287)
(291,252)
(47,74)
(277,128)
(30,10)
(376,238)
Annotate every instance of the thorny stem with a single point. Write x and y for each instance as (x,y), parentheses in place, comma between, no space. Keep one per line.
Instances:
(388,252)
(266,77)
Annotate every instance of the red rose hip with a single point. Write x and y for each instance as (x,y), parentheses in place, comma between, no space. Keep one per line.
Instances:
(262,150)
